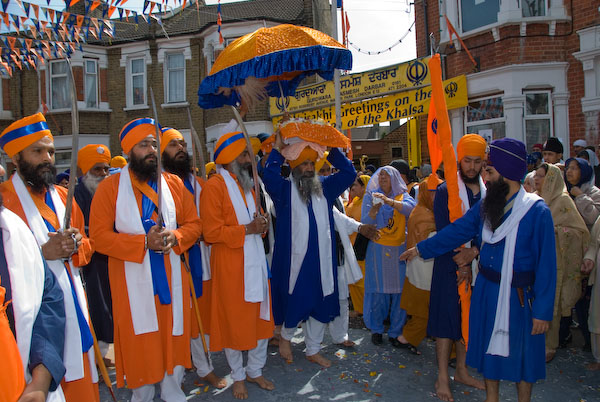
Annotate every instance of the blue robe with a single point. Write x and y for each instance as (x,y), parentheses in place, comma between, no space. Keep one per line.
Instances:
(444,307)
(48,333)
(307,298)
(535,251)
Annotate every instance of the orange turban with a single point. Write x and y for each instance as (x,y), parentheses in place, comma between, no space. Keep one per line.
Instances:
(22,133)
(471,145)
(319,164)
(118,162)
(135,131)
(307,154)
(209,167)
(168,134)
(91,154)
(229,147)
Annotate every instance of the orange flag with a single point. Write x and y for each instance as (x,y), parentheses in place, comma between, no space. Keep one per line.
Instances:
(12,380)
(450,173)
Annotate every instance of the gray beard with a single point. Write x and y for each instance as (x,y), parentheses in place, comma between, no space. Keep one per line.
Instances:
(307,186)
(91,182)
(243,176)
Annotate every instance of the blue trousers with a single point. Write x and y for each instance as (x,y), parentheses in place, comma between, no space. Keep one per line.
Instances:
(376,309)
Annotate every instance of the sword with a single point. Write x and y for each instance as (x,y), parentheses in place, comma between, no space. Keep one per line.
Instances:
(196,141)
(159,221)
(196,308)
(253,158)
(74,149)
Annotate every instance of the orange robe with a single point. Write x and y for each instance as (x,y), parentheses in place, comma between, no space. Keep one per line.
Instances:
(83,389)
(204,300)
(144,359)
(234,322)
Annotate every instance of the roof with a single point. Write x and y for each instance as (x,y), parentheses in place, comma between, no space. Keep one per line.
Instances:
(191,21)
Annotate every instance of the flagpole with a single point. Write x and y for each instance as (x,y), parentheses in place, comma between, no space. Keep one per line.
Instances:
(336,72)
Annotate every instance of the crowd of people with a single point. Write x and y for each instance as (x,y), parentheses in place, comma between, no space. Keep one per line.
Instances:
(170,267)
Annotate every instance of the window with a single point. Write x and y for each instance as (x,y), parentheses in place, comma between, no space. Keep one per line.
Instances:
(175,79)
(91,84)
(137,82)
(397,152)
(59,85)
(533,8)
(538,117)
(478,13)
(486,118)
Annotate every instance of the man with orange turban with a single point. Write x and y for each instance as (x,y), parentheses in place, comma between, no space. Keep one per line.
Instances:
(31,194)
(240,311)
(150,288)
(304,281)
(177,161)
(451,270)
(93,161)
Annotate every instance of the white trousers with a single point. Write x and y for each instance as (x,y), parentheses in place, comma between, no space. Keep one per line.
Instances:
(257,358)
(170,388)
(314,331)
(338,328)
(203,367)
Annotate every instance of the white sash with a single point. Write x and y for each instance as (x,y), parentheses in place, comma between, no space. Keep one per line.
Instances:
(419,271)
(256,288)
(464,197)
(72,355)
(499,342)
(349,272)
(300,228)
(204,249)
(139,276)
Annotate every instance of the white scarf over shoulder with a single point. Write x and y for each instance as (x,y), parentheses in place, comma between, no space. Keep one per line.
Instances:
(499,342)
(256,287)
(72,356)
(139,276)
(300,228)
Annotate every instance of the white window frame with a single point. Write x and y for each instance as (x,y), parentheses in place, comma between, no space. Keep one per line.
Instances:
(460,18)
(468,124)
(534,16)
(167,77)
(547,116)
(129,83)
(50,83)
(85,84)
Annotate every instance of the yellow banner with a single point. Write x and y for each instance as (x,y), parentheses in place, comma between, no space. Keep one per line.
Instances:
(354,87)
(392,107)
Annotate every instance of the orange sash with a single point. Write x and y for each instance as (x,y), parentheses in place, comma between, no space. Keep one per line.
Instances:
(12,380)
(145,189)
(45,210)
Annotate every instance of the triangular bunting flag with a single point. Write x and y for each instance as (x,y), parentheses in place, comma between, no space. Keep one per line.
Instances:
(51,14)
(93,32)
(120,14)
(95,22)
(95,5)
(135,16)
(26,7)
(111,10)
(80,19)
(4,4)
(152,4)
(145,6)
(127,15)
(59,16)
(36,11)
(67,3)
(73,2)
(6,20)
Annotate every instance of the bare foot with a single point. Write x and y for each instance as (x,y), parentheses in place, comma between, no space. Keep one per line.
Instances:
(320,360)
(274,341)
(550,355)
(347,343)
(261,382)
(442,390)
(463,377)
(285,350)
(354,314)
(214,380)
(593,366)
(239,390)
(402,339)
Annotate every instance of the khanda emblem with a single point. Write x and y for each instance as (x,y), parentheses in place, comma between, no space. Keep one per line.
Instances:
(390,223)
(451,89)
(283,103)
(416,72)
(434,124)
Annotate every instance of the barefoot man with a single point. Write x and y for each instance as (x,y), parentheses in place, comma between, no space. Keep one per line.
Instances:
(305,257)
(240,317)
(513,298)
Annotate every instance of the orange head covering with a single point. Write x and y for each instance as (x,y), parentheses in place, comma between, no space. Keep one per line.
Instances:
(307,154)
(209,167)
(471,145)
(22,133)
(256,144)
(118,162)
(135,131)
(319,164)
(364,178)
(229,147)
(91,154)
(168,134)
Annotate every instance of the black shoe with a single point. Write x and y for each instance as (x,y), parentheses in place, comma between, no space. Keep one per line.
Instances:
(565,342)
(377,339)
(396,343)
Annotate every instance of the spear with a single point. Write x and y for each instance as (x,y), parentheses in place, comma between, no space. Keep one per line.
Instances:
(196,141)
(159,221)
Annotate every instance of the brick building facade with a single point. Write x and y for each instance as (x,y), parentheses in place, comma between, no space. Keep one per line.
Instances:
(538,66)
(113,78)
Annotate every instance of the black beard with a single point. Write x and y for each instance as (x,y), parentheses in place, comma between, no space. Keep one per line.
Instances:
(143,168)
(180,167)
(492,208)
(243,172)
(468,180)
(308,183)
(38,180)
